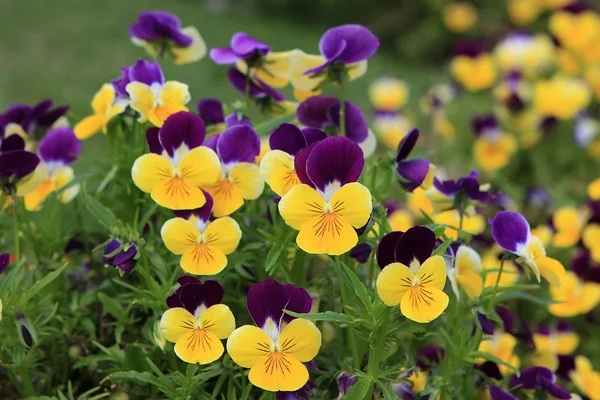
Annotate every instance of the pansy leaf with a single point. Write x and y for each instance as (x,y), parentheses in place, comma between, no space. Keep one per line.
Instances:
(492,358)
(324,316)
(41,284)
(360,389)
(99,211)
(359,288)
(441,249)
(112,307)
(270,125)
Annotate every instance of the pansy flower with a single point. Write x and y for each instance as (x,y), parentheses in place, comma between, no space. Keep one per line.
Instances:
(106,105)
(160,32)
(501,345)
(18,167)
(525,52)
(574,297)
(551,342)
(277,166)
(465,272)
(472,222)
(388,94)
(414,173)
(329,204)
(473,67)
(399,218)
(511,231)
(468,186)
(177,165)
(391,128)
(243,47)
(212,113)
(539,379)
(276,348)
(255,88)
(575,26)
(57,150)
(345,46)
(202,244)
(123,257)
(585,377)
(32,123)
(153,98)
(590,236)
(196,321)
(493,148)
(459,16)
(239,178)
(568,223)
(561,96)
(411,277)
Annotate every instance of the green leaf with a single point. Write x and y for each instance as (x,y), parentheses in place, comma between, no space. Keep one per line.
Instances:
(137,377)
(359,288)
(522,296)
(267,127)
(360,389)
(100,212)
(112,307)
(324,316)
(440,251)
(42,283)
(489,357)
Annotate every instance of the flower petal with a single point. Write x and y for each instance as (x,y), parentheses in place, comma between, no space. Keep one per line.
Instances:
(313,111)
(179,235)
(423,304)
(356,126)
(149,170)
(327,234)
(266,301)
(386,249)
(153,141)
(353,203)
(413,173)
(300,339)
(89,126)
(407,145)
(393,282)
(300,205)
(335,159)
(246,178)
(416,243)
(552,270)
(510,230)
(199,346)
(238,143)
(432,273)
(288,138)
(278,372)
(277,169)
(248,344)
(245,45)
(471,282)
(175,322)
(194,52)
(223,233)
(60,145)
(227,198)
(300,301)
(200,166)
(195,293)
(179,129)
(223,56)
(360,43)
(174,93)
(211,111)
(103,99)
(467,259)
(218,320)
(203,259)
(143,99)
(177,194)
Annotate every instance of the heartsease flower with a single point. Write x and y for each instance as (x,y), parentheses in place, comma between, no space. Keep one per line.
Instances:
(32,123)
(465,272)
(414,172)
(243,47)
(493,147)
(121,256)
(539,378)
(467,185)
(106,105)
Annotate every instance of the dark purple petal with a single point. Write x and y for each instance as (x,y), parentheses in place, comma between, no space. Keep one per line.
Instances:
(246,46)
(469,48)
(18,163)
(269,91)
(510,230)
(386,249)
(203,213)
(154,25)
(390,206)
(404,391)
(207,294)
(361,252)
(314,110)
(564,326)
(499,394)
(335,159)
(413,173)
(125,255)
(486,325)
(416,243)
(267,299)
(4,260)
(120,84)
(345,381)
(127,265)
(288,138)
(407,144)
(566,364)
(212,141)
(348,44)
(12,143)
(482,124)
(447,187)
(46,120)
(313,135)
(26,335)
(182,128)
(244,85)
(60,145)
(490,369)
(237,118)
(357,129)
(153,140)
(223,56)
(16,113)
(146,72)
(529,378)
(554,390)
(300,164)
(211,111)
(237,144)
(576,7)
(300,301)
(110,248)
(174,299)
(429,356)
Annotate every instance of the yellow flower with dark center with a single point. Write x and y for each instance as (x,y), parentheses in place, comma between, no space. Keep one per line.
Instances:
(106,106)
(575,30)
(501,345)
(475,71)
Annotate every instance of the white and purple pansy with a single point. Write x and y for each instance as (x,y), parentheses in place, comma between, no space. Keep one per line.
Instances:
(466,185)
(415,172)
(242,47)
(32,123)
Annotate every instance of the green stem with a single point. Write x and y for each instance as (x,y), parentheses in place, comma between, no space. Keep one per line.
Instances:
(16,229)
(26,379)
(349,332)
(498,277)
(376,345)
(342,109)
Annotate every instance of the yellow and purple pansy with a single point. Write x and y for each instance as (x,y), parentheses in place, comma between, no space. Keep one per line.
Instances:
(414,173)
(329,205)
(411,277)
(473,67)
(153,98)
(501,345)
(561,96)
(203,244)
(276,348)
(468,186)
(511,231)
(568,224)
(277,165)
(575,26)
(106,105)
(551,342)
(525,52)
(177,165)
(239,178)
(493,148)
(196,321)
(254,87)
(465,272)
(243,47)
(17,166)
(57,150)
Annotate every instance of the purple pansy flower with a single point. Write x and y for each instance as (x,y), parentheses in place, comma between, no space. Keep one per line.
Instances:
(4,260)
(413,172)
(243,47)
(467,185)
(539,378)
(469,48)
(345,381)
(253,87)
(193,295)
(417,243)
(485,124)
(153,26)
(291,139)
(120,256)
(32,121)
(585,267)
(323,112)
(142,71)
(497,393)
(345,44)
(211,111)
(361,252)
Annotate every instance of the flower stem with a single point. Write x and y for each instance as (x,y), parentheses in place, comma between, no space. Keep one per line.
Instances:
(376,345)
(26,379)
(342,109)
(16,231)
(349,332)
(498,277)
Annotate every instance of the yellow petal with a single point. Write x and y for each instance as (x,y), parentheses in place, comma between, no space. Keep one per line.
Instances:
(471,282)
(552,270)
(300,205)
(143,99)
(227,198)
(175,322)
(423,303)
(178,194)
(353,203)
(174,93)
(327,234)
(467,259)
(401,220)
(567,342)
(545,359)
(62,178)
(432,273)
(593,189)
(224,234)
(35,198)
(200,166)
(277,169)
(159,115)
(357,70)
(589,297)
(247,180)
(300,339)
(179,235)
(31,181)
(195,52)
(303,63)
(103,99)
(590,236)
(199,346)
(218,320)
(278,372)
(203,259)
(149,170)
(393,281)
(248,344)
(89,126)
(474,73)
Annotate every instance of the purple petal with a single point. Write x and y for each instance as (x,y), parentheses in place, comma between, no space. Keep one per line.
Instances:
(357,129)
(238,144)
(447,187)
(429,356)
(348,43)
(60,145)
(111,247)
(207,294)
(386,249)
(313,135)
(482,124)
(49,117)
(26,335)
(416,243)
(269,91)
(313,111)
(187,279)
(499,394)
(154,25)
(407,144)
(345,381)
(239,82)
(490,369)
(469,48)
(335,159)
(120,84)
(324,66)
(566,364)
(18,163)
(510,230)
(153,141)
(4,260)
(203,213)
(361,252)
(146,72)
(300,301)
(223,56)
(212,141)
(245,45)
(300,161)
(554,390)
(12,143)
(528,378)
(237,118)
(413,172)
(125,255)
(17,113)
(267,299)
(182,128)
(508,319)
(211,111)
(486,325)
(287,138)
(174,299)
(564,326)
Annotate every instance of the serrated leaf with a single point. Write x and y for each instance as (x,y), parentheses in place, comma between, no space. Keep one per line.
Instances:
(360,389)
(42,283)
(324,316)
